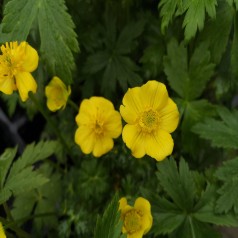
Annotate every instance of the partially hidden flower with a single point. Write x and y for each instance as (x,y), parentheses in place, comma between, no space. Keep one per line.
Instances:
(151,116)
(2,232)
(98,124)
(17,61)
(137,220)
(57,94)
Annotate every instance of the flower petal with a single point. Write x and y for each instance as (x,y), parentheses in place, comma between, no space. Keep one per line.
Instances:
(7,85)
(85,139)
(134,139)
(143,205)
(113,125)
(132,105)
(137,234)
(169,117)
(31,58)
(147,222)
(25,83)
(154,95)
(122,203)
(87,113)
(102,146)
(159,145)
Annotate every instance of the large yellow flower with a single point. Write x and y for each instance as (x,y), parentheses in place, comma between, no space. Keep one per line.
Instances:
(57,94)
(98,124)
(2,232)
(151,116)
(16,64)
(137,220)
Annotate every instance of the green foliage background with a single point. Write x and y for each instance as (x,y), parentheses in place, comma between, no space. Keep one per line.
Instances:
(102,47)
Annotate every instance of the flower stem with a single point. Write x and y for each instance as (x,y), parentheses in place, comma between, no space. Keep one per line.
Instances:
(73,105)
(46,115)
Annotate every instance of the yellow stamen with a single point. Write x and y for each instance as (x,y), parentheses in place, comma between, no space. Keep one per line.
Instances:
(132,221)
(149,120)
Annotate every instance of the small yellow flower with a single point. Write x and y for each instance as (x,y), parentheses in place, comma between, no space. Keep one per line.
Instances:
(98,123)
(137,220)
(57,94)
(16,64)
(151,116)
(2,232)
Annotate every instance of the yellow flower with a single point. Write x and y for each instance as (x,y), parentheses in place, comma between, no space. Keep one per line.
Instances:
(98,124)
(16,64)
(2,232)
(137,220)
(151,116)
(57,94)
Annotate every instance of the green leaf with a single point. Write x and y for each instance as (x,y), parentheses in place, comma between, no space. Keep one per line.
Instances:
(212,31)
(179,185)
(21,182)
(19,16)
(120,69)
(152,60)
(109,225)
(58,39)
(167,217)
(192,228)
(5,162)
(231,2)
(21,177)
(234,48)
(221,133)
(195,15)
(187,79)
(126,41)
(168,9)
(32,154)
(229,190)
(47,198)
(205,210)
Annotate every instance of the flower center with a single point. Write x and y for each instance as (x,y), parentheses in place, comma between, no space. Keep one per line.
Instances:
(98,127)
(149,120)
(11,59)
(132,221)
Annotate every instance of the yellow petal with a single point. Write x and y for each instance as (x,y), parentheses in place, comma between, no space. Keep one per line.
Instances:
(113,124)
(85,139)
(154,95)
(31,58)
(143,205)
(25,83)
(102,146)
(132,103)
(169,117)
(147,222)
(87,113)
(2,232)
(134,140)
(159,145)
(122,203)
(7,85)
(137,234)
(129,116)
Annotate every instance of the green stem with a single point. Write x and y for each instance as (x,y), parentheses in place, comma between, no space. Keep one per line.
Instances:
(7,211)
(50,121)
(73,105)
(192,228)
